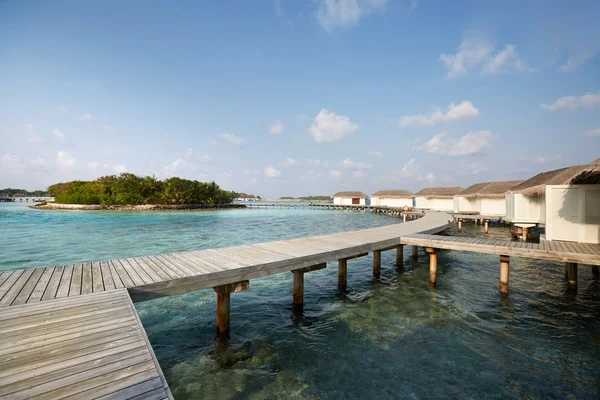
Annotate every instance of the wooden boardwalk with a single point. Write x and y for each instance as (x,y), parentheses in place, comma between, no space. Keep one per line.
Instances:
(85,347)
(161,275)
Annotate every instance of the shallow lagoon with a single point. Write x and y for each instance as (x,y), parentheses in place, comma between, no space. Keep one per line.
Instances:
(395,338)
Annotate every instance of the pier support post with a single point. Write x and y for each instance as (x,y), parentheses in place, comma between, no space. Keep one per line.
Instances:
(415,252)
(223,303)
(400,255)
(298,297)
(595,271)
(504,273)
(342,274)
(459,225)
(524,234)
(376,263)
(432,265)
(403,217)
(572,274)
(485,225)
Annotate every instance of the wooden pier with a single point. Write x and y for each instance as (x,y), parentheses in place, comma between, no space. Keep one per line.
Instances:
(72,330)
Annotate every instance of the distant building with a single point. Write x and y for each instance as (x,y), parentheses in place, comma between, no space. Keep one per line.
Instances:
(350,198)
(245,197)
(566,201)
(484,198)
(438,198)
(392,198)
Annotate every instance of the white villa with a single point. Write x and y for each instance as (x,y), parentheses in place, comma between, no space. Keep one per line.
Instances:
(392,198)
(245,197)
(439,198)
(566,201)
(484,198)
(350,198)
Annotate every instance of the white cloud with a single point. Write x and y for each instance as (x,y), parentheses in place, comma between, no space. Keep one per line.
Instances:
(35,139)
(463,111)
(30,127)
(12,162)
(234,140)
(345,13)
(289,162)
(119,168)
(470,54)
(58,135)
(592,132)
(189,152)
(587,101)
(271,172)
(348,163)
(475,168)
(253,181)
(225,175)
(335,174)
(477,54)
(376,154)
(358,174)
(204,158)
(85,117)
(430,177)
(313,162)
(540,159)
(329,127)
(92,165)
(496,63)
(109,128)
(62,109)
(409,170)
(577,60)
(470,143)
(170,169)
(276,127)
(65,161)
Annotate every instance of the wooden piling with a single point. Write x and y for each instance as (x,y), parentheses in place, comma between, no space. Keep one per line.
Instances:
(572,274)
(298,298)
(459,225)
(432,265)
(595,271)
(377,263)
(485,225)
(400,255)
(524,234)
(223,303)
(415,252)
(504,273)
(342,274)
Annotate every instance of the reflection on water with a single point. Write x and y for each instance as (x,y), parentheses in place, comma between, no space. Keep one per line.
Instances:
(388,339)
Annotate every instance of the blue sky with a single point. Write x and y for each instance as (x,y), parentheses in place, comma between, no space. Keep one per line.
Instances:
(290,98)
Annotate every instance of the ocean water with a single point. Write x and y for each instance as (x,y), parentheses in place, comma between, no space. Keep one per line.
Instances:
(387,339)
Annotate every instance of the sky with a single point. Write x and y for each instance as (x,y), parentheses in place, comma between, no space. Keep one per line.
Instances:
(295,98)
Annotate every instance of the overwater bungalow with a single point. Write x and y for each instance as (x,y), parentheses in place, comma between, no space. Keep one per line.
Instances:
(438,198)
(350,198)
(485,198)
(392,198)
(566,201)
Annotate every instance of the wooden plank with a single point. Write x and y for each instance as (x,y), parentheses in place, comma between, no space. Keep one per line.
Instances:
(163,275)
(133,273)
(27,290)
(9,282)
(115,276)
(4,276)
(107,278)
(97,281)
(86,278)
(65,282)
(150,273)
(75,289)
(123,275)
(13,292)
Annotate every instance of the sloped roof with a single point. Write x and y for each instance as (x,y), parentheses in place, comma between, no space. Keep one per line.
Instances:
(439,192)
(563,176)
(360,195)
(489,189)
(392,193)
(589,175)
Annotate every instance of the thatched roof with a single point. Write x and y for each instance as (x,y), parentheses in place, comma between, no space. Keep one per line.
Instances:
(393,194)
(577,174)
(489,189)
(360,195)
(439,192)
(590,175)
(245,196)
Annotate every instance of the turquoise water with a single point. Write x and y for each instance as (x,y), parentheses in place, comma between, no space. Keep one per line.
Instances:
(387,339)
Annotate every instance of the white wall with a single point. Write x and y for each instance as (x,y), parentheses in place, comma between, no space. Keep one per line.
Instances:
(484,206)
(462,204)
(347,201)
(391,201)
(573,213)
(525,209)
(434,203)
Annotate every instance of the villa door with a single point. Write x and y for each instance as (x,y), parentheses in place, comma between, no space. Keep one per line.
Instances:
(355,201)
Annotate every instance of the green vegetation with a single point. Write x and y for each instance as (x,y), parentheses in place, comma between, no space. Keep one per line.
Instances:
(8,192)
(129,189)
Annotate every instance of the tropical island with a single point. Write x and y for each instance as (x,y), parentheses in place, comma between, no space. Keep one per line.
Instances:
(9,192)
(131,192)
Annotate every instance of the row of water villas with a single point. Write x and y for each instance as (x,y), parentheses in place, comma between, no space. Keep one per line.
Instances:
(566,202)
